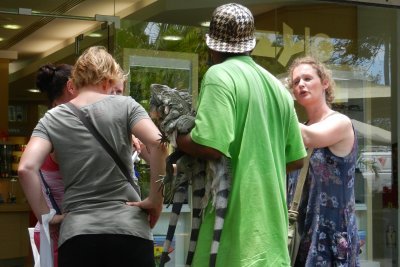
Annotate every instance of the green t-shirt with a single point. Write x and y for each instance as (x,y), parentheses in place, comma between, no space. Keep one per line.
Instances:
(248,115)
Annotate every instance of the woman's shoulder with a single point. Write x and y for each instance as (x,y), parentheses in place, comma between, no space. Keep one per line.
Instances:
(336,114)
(345,130)
(116,99)
(338,117)
(111,102)
(54,113)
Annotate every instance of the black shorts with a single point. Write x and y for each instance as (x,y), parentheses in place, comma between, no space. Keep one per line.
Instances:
(106,250)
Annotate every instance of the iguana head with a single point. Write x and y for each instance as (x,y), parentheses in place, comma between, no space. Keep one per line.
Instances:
(167,106)
(163,99)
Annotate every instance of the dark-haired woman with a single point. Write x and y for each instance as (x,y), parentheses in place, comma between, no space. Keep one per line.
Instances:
(54,80)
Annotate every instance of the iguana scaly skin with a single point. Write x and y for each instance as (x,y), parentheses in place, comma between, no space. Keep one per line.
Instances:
(173,109)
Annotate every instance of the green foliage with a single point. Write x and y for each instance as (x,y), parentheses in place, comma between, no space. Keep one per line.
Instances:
(150,36)
(144,179)
(143,77)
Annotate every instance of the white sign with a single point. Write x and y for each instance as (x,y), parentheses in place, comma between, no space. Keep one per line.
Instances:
(283,47)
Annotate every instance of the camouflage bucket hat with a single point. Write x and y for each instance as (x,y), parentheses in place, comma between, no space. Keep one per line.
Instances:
(231,29)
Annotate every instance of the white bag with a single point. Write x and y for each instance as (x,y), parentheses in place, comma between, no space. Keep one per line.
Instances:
(46,244)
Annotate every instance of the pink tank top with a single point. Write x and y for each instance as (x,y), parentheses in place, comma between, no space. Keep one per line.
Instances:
(52,175)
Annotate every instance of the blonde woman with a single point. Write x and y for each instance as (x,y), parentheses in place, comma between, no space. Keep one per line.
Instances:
(104,221)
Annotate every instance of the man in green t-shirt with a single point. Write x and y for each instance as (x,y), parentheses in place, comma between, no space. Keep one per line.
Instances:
(247,115)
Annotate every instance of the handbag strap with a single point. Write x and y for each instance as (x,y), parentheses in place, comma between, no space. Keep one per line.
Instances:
(48,192)
(102,141)
(300,182)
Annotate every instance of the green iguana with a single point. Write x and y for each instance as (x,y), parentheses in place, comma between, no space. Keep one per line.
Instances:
(173,109)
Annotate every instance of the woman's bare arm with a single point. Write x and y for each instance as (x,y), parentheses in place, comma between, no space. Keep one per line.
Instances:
(28,171)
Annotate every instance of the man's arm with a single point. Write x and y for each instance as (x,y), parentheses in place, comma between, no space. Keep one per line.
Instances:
(294,165)
(187,145)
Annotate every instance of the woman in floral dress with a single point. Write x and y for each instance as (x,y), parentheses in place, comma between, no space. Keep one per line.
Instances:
(327,219)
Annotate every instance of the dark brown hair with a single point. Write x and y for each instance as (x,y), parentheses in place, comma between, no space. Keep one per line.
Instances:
(52,79)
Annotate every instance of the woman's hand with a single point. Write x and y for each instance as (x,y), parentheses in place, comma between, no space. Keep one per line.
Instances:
(57,219)
(137,144)
(153,209)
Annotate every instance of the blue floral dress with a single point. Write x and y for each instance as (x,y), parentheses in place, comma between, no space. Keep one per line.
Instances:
(327,221)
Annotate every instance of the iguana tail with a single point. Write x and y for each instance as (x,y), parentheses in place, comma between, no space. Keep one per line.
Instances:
(178,201)
(198,188)
(223,179)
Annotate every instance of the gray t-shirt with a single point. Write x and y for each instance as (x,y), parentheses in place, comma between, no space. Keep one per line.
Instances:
(95,188)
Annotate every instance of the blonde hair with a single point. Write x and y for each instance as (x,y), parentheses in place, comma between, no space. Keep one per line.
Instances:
(94,66)
(323,73)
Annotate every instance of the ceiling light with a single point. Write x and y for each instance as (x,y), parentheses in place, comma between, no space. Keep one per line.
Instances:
(1,39)
(205,24)
(172,38)
(33,90)
(11,26)
(95,35)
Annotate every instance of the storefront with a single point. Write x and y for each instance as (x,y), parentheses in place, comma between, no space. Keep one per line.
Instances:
(358,40)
